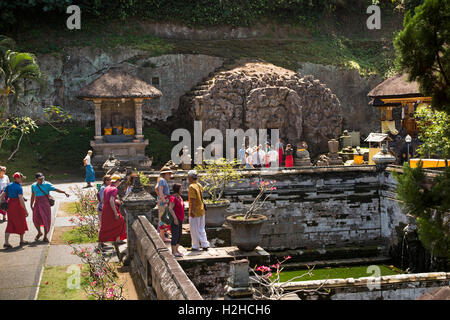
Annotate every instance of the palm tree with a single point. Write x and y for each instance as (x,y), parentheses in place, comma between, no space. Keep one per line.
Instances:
(15,67)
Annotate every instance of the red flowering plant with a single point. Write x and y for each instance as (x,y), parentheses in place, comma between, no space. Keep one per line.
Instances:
(267,284)
(86,217)
(265,191)
(103,279)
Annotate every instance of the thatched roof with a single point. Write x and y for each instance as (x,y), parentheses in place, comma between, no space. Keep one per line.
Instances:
(396,87)
(118,84)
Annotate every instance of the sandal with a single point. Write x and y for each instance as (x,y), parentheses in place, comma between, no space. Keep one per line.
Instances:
(37,237)
(7,246)
(178,255)
(23,243)
(45,240)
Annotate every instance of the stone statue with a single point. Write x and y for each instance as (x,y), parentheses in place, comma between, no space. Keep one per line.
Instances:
(323,161)
(333,156)
(414,249)
(111,165)
(345,140)
(117,124)
(58,95)
(302,155)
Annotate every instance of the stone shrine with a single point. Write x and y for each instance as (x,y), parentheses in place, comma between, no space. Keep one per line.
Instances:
(117,98)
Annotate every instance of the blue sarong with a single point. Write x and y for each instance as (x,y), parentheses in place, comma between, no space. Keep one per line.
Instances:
(90,174)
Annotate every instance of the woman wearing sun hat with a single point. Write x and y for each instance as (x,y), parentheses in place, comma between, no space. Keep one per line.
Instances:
(17,212)
(163,192)
(113,228)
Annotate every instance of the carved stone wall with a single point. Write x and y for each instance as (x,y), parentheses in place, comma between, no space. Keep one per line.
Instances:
(264,96)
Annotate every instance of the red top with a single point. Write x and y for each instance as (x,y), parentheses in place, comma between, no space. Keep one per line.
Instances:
(178,207)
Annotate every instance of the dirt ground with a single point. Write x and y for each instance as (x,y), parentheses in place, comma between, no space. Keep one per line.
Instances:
(57,235)
(130,292)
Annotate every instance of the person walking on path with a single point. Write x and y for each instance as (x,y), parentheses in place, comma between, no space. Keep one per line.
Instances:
(100,194)
(4,181)
(90,174)
(163,192)
(113,227)
(176,208)
(196,213)
(40,205)
(17,212)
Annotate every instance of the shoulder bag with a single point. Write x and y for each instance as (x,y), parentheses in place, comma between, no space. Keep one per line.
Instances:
(51,200)
(4,203)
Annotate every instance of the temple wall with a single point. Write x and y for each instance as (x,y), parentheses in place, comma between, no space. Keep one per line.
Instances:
(322,208)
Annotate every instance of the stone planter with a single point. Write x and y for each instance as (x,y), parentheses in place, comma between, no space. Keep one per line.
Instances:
(246,234)
(215,213)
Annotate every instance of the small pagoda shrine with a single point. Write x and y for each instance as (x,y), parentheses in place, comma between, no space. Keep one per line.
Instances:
(393,93)
(117,97)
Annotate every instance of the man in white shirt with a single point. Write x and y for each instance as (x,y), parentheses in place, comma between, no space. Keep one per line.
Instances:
(255,157)
(262,155)
(273,158)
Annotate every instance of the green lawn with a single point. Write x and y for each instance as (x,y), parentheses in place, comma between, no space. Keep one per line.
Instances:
(55,284)
(69,208)
(337,273)
(75,236)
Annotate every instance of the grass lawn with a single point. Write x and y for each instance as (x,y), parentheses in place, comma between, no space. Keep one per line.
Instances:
(338,273)
(69,209)
(75,236)
(54,284)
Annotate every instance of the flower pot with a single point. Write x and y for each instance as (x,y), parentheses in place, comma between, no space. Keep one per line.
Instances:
(246,234)
(215,213)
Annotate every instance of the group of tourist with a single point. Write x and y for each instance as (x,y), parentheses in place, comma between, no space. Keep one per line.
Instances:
(12,206)
(268,157)
(175,204)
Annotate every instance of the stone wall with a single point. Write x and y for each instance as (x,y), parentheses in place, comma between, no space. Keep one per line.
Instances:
(395,287)
(159,275)
(322,208)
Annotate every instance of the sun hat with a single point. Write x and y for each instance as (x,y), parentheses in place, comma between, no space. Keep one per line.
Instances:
(165,170)
(18,175)
(115,177)
(193,174)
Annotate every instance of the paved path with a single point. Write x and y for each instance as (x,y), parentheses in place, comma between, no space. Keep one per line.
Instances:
(21,267)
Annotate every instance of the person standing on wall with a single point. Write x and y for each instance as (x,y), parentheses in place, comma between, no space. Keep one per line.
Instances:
(90,174)
(289,161)
(280,147)
(196,213)
(40,205)
(4,181)
(163,191)
(17,212)
(176,208)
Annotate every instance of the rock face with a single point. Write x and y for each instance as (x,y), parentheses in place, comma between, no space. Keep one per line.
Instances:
(351,89)
(264,96)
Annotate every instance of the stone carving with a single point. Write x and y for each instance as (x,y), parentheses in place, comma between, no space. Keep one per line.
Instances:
(333,156)
(261,95)
(171,165)
(322,161)
(111,165)
(302,154)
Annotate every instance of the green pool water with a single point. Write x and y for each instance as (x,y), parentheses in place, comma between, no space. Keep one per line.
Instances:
(339,273)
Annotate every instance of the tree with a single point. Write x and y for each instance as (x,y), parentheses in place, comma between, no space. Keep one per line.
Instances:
(423,50)
(15,67)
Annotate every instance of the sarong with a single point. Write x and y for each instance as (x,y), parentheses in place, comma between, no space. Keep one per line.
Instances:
(289,161)
(110,227)
(17,220)
(90,174)
(42,213)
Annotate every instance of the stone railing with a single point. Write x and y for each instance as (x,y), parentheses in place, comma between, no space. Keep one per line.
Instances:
(394,287)
(159,275)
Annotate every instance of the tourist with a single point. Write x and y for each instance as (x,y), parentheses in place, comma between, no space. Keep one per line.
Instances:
(113,228)
(289,161)
(261,155)
(100,195)
(256,157)
(241,156)
(280,147)
(196,213)
(130,183)
(176,207)
(90,174)
(273,158)
(4,181)
(17,212)
(248,161)
(40,205)
(163,193)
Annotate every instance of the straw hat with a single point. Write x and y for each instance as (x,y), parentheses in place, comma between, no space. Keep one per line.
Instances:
(165,170)
(115,177)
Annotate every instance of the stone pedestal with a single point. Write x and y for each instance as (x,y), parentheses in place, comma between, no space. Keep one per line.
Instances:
(238,286)
(129,153)
(138,202)
(333,156)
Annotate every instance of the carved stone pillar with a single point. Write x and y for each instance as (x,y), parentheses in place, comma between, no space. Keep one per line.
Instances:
(138,118)
(98,119)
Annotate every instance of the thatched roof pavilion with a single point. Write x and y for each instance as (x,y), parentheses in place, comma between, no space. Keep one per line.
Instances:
(397,86)
(118,97)
(117,84)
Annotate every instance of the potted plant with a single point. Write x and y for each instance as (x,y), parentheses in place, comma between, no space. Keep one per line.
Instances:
(217,174)
(246,228)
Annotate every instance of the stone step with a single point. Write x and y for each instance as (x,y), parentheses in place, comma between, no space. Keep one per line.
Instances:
(337,263)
